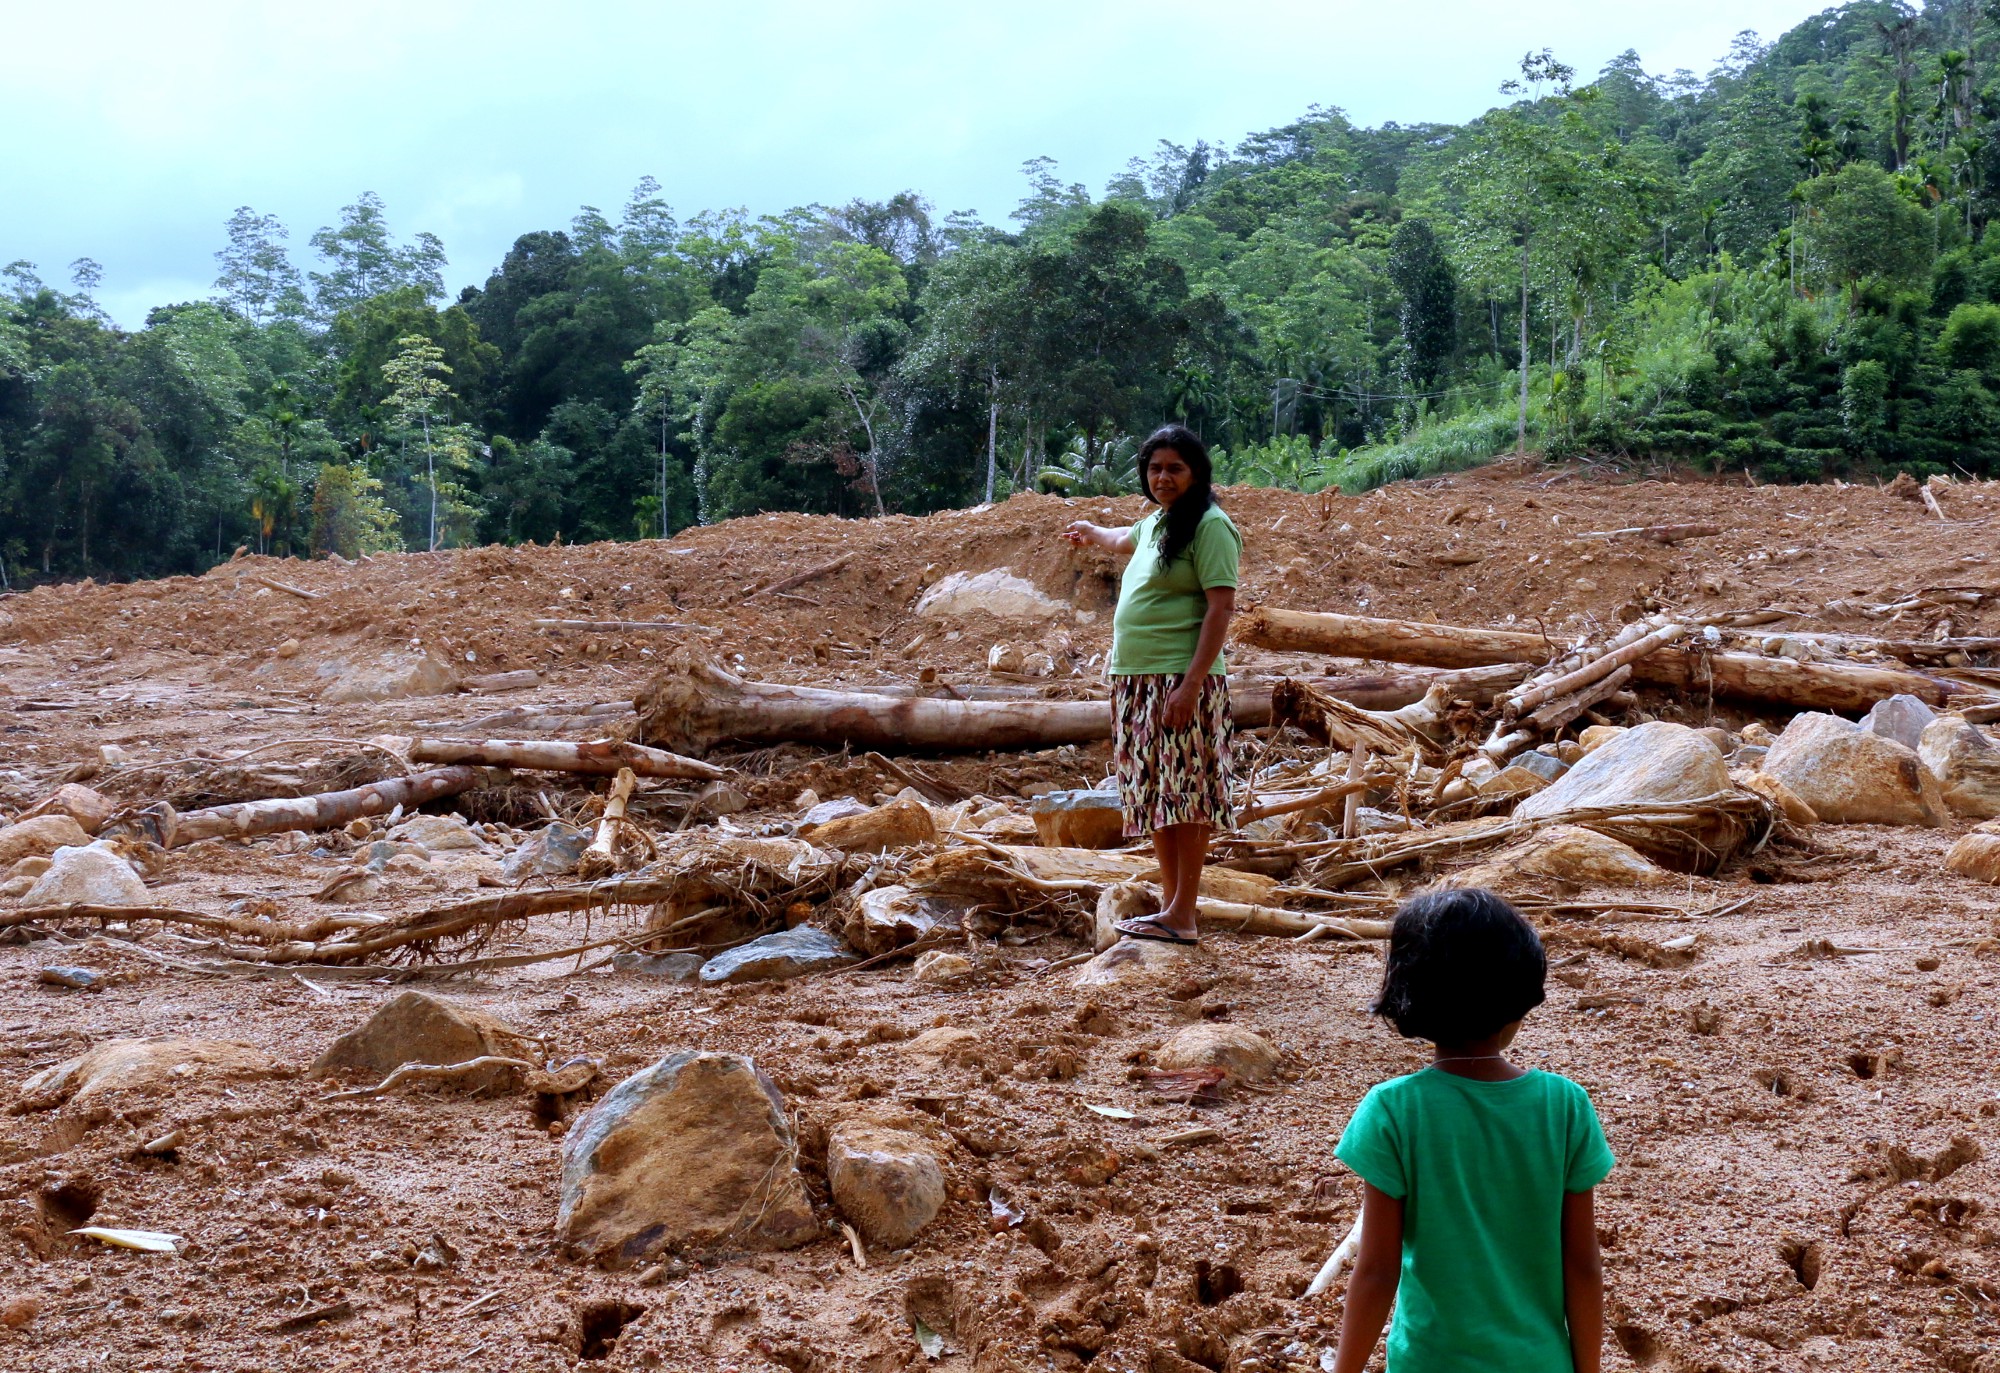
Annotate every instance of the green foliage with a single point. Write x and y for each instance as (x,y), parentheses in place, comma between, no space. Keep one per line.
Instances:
(1076,471)
(1450,446)
(348,515)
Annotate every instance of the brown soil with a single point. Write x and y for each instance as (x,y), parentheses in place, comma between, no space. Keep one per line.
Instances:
(1809,1143)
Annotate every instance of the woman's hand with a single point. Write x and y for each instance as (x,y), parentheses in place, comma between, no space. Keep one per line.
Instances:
(1083,532)
(1181,703)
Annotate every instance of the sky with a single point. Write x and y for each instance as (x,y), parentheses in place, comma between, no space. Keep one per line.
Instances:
(136,128)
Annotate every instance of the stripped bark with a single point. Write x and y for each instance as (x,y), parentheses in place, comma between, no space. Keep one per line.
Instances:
(328,810)
(598,758)
(1558,713)
(1536,694)
(601,857)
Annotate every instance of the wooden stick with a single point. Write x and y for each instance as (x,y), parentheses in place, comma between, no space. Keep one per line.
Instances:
(1529,697)
(285,587)
(1342,1255)
(1558,713)
(854,1245)
(1659,533)
(910,777)
(1931,501)
(620,626)
(599,758)
(521,679)
(599,858)
(1350,811)
(430,1072)
(797,579)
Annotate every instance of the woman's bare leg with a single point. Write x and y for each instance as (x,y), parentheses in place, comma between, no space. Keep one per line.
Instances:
(1187,847)
(1166,850)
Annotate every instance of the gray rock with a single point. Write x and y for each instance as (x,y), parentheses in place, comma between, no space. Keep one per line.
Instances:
(393,676)
(674,967)
(997,592)
(548,852)
(691,1153)
(1546,766)
(832,810)
(91,875)
(775,957)
(82,979)
(1901,718)
(1091,819)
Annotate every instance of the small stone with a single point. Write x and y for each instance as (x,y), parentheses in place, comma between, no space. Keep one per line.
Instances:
(1003,658)
(437,833)
(551,851)
(82,979)
(1091,819)
(948,1044)
(1243,1054)
(1136,960)
(778,957)
(416,1027)
(694,1152)
(889,917)
(887,1181)
(894,825)
(154,1063)
(92,875)
(1038,665)
(89,809)
(18,1313)
(671,967)
(820,812)
(288,649)
(720,798)
(1977,855)
(30,868)
(393,676)
(939,966)
(1595,737)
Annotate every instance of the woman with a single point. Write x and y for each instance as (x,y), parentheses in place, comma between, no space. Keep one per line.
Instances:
(1169,692)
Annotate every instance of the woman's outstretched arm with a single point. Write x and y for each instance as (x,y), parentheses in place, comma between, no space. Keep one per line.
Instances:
(1372,1289)
(1083,532)
(1583,1281)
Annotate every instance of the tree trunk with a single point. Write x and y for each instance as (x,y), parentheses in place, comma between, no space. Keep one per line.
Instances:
(992,430)
(1780,681)
(1521,433)
(328,810)
(601,758)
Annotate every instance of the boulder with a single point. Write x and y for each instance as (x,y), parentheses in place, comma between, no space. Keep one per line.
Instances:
(887,1181)
(887,918)
(394,676)
(936,966)
(1853,776)
(693,1153)
(1902,718)
(150,1064)
(39,837)
(895,825)
(89,809)
(437,833)
(416,1027)
(550,851)
(998,593)
(673,967)
(1567,855)
(1788,802)
(1653,762)
(91,875)
(1079,819)
(776,957)
(1965,763)
(1243,1054)
(1977,855)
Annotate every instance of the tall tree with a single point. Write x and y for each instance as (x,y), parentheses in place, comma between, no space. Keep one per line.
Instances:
(258,279)
(364,260)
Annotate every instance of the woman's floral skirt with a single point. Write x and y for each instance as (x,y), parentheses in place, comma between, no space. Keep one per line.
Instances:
(1170,776)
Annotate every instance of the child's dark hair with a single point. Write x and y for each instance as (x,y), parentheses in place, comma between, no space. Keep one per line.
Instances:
(1183,517)
(1462,964)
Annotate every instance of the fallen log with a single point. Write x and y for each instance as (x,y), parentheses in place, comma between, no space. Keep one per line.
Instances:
(598,758)
(1804,686)
(1386,733)
(286,587)
(620,626)
(521,679)
(694,705)
(1552,717)
(328,810)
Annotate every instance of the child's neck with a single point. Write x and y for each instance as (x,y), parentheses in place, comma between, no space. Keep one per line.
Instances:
(1483,1060)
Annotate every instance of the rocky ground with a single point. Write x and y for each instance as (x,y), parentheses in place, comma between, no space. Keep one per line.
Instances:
(1801,1095)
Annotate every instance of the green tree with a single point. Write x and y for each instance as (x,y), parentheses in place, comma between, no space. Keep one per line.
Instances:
(1858,224)
(1428,314)
(364,260)
(421,399)
(258,279)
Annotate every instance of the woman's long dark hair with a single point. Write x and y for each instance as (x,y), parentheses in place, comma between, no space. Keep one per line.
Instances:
(1183,517)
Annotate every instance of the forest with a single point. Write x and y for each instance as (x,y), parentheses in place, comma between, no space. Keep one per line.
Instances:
(1776,268)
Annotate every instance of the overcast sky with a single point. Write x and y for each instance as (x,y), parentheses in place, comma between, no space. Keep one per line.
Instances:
(135,128)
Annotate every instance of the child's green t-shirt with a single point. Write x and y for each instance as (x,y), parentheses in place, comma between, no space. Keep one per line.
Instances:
(1481,1169)
(1159,615)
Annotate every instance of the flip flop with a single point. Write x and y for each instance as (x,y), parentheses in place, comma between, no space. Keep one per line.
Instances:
(1164,933)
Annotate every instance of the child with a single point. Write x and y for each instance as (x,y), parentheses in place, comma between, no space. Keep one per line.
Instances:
(1477,1221)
